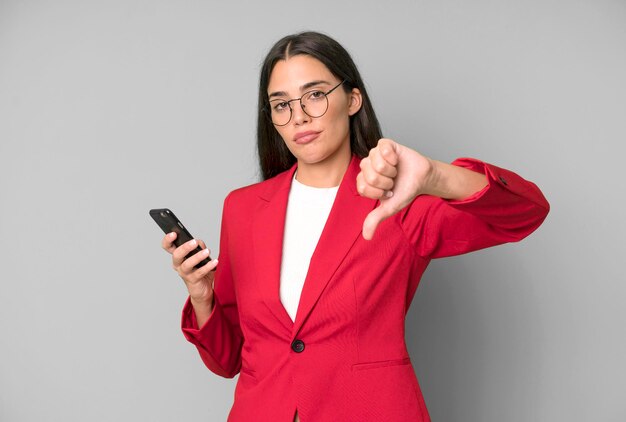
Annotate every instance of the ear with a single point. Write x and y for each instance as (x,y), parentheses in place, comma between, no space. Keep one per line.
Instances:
(356,101)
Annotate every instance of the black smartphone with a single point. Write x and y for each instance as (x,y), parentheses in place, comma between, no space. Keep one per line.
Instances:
(169,223)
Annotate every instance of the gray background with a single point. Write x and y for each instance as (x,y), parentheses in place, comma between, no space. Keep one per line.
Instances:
(110,108)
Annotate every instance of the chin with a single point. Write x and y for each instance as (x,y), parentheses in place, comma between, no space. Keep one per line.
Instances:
(310,158)
(317,152)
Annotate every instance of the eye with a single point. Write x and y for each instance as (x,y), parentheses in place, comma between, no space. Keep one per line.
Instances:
(280,106)
(315,95)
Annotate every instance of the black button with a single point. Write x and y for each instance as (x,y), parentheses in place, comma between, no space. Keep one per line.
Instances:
(503,180)
(297,346)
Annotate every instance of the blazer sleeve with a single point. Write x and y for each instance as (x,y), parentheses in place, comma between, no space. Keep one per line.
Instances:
(508,209)
(219,340)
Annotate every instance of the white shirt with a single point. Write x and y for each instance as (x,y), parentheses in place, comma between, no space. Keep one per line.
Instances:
(307,211)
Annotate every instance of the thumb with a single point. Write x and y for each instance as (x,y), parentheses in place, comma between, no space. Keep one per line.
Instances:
(374,218)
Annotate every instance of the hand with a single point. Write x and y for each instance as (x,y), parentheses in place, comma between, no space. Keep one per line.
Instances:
(395,175)
(199,281)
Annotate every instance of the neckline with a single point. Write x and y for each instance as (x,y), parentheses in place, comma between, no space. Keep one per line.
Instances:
(311,188)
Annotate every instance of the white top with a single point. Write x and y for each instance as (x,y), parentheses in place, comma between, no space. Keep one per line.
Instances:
(307,211)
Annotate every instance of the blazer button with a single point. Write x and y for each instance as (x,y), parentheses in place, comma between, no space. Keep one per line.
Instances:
(297,346)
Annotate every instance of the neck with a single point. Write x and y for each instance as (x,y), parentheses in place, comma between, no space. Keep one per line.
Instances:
(325,174)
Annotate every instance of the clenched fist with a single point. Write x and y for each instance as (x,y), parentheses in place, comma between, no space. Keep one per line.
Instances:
(395,175)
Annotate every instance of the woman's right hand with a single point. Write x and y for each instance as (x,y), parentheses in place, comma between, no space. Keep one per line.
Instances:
(199,281)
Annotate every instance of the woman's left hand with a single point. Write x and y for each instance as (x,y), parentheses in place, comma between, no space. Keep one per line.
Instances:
(395,175)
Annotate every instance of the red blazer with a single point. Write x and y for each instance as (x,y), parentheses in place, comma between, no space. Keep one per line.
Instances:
(345,357)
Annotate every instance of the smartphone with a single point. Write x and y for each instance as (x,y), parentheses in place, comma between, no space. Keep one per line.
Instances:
(169,223)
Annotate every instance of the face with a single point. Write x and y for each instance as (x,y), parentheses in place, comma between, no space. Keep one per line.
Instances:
(313,140)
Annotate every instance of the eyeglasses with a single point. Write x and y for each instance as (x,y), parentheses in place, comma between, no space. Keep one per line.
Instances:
(314,103)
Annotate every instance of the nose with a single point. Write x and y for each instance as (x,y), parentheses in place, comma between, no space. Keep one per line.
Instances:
(297,113)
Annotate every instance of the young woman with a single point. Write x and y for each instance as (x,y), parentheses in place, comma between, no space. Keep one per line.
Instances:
(319,263)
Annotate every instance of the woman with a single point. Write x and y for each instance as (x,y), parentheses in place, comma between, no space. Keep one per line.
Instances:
(320,261)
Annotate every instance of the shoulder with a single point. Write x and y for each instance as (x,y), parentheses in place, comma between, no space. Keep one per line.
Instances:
(260,191)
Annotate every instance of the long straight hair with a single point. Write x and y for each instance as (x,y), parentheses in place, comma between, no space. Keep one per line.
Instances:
(274,156)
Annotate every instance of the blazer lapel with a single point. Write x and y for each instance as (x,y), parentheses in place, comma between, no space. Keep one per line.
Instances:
(268,229)
(342,229)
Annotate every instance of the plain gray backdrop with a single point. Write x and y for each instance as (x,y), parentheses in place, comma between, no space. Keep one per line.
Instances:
(110,108)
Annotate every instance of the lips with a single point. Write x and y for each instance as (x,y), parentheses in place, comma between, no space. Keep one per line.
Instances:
(305,137)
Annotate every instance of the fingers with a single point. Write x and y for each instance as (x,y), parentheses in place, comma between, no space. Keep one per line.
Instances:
(168,242)
(388,150)
(192,274)
(373,219)
(393,174)
(199,281)
(189,264)
(369,190)
(378,171)
(179,254)
(379,179)
(181,261)
(383,159)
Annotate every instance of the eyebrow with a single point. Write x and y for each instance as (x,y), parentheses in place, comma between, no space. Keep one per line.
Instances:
(302,88)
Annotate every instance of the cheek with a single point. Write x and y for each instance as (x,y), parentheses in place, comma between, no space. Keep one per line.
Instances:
(340,120)
(283,133)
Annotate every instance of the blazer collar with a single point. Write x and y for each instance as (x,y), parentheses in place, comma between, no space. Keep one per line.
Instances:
(342,229)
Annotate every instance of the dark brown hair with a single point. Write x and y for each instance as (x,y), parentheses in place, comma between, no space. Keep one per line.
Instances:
(274,156)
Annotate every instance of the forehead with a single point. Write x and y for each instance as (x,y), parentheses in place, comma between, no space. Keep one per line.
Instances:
(291,74)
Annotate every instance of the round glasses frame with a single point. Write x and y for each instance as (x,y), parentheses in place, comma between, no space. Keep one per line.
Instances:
(302,105)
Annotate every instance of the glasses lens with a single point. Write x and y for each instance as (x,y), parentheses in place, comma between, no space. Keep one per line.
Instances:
(315,103)
(280,112)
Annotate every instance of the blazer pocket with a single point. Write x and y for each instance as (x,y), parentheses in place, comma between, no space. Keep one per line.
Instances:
(380,364)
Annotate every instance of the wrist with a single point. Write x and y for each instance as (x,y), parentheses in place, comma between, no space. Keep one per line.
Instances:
(435,178)
(455,183)
(202,310)
(203,301)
